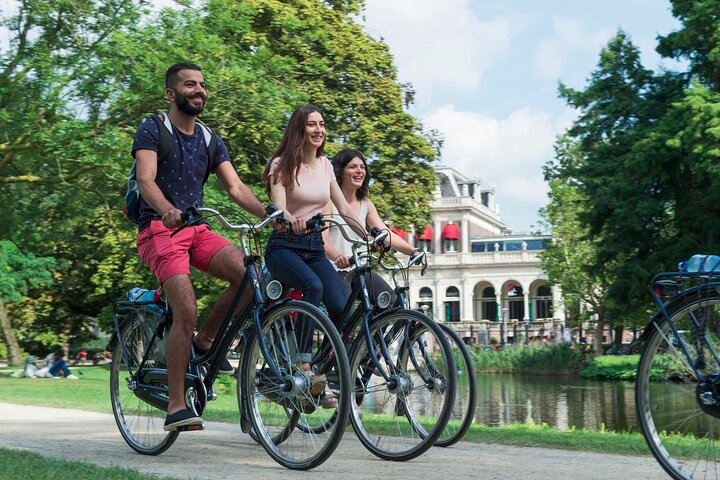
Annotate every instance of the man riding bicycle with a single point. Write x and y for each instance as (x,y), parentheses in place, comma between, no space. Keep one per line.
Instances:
(168,186)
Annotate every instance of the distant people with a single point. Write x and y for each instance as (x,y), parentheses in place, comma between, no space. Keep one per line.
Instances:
(82,356)
(56,368)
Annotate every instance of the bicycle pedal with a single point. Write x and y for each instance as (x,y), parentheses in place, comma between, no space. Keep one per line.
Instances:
(212,394)
(191,428)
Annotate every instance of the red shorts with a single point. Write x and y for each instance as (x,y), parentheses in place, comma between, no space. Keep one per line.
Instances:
(168,256)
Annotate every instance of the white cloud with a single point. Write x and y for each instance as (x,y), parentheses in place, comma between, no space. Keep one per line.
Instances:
(507,153)
(439,44)
(570,37)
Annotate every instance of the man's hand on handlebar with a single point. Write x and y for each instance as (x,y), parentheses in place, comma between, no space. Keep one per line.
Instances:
(173,218)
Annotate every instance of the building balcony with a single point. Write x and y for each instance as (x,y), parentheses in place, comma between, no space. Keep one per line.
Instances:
(456,203)
(483,258)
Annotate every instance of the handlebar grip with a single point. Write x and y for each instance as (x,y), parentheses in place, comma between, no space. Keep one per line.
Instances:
(270,209)
(316,223)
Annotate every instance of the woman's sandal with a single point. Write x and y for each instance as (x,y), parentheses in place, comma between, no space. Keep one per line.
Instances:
(328,399)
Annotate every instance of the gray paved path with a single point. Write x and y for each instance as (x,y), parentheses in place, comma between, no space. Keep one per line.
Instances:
(230,454)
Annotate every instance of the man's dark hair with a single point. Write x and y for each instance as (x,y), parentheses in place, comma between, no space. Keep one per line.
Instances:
(171,76)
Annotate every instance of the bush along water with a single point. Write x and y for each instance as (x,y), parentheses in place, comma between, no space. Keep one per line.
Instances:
(556,359)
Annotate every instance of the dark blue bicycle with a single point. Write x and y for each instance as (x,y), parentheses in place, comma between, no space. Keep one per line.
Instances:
(678,376)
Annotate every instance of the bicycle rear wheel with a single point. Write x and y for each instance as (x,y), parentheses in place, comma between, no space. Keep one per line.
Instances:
(140,423)
(463,411)
(401,418)
(679,413)
(277,405)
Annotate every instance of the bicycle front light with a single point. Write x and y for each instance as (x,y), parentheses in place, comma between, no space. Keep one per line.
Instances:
(273,290)
(383,299)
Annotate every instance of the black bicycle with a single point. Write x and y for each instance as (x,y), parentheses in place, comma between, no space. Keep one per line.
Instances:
(677,391)
(401,362)
(463,412)
(274,390)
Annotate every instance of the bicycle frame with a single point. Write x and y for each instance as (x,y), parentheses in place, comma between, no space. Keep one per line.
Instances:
(365,313)
(673,280)
(227,333)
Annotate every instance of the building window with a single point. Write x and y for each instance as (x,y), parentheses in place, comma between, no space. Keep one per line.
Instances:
(452,311)
(424,245)
(489,310)
(452,307)
(450,245)
(426,301)
(544,302)
(516,304)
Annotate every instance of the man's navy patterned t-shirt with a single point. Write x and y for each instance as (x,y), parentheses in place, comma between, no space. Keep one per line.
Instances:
(180,175)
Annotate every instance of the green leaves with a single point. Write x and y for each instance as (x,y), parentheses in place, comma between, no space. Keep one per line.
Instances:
(73,92)
(19,271)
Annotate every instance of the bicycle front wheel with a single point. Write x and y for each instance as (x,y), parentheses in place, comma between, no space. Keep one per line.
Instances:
(278,401)
(401,417)
(140,423)
(679,411)
(463,411)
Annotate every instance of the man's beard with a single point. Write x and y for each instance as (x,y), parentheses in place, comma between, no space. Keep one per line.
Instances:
(183,103)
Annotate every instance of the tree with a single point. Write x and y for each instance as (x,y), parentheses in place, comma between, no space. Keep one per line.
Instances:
(570,260)
(698,41)
(20,272)
(625,171)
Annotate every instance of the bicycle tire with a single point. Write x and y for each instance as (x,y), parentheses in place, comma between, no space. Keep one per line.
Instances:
(402,418)
(276,406)
(681,434)
(463,412)
(140,424)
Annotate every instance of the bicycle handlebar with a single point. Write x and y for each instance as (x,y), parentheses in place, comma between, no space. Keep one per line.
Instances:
(192,216)
(379,236)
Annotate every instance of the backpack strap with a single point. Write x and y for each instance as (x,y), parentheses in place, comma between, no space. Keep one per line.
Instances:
(166,135)
(211,143)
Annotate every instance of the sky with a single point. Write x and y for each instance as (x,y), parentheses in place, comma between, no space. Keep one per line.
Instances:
(486,73)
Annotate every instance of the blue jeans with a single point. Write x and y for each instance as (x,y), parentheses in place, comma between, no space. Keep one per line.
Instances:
(59,365)
(299,261)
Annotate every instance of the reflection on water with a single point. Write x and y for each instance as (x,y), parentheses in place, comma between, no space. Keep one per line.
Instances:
(561,402)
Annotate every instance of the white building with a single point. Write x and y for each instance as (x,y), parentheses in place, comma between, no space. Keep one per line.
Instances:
(481,278)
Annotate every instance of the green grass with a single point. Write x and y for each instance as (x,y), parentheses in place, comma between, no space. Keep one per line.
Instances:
(17,465)
(91,392)
(612,367)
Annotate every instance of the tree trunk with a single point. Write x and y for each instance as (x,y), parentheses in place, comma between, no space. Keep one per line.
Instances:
(11,341)
(597,340)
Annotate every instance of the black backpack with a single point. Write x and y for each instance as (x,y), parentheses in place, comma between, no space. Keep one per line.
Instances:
(132,196)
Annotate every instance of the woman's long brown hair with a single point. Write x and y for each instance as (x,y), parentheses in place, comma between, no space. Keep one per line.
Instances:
(290,150)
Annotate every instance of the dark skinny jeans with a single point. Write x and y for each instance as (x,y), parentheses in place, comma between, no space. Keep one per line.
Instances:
(299,261)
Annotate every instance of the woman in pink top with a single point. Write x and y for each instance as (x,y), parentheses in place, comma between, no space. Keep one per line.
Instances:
(300,180)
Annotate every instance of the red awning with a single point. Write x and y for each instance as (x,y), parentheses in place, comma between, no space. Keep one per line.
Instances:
(427,234)
(399,232)
(451,231)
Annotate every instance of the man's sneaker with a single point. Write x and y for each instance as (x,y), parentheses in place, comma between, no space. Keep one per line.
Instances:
(225,367)
(181,418)
(71,377)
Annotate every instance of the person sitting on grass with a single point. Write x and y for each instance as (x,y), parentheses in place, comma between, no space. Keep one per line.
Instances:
(57,369)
